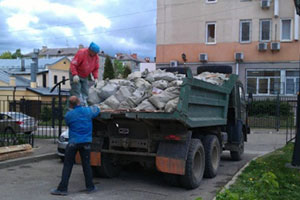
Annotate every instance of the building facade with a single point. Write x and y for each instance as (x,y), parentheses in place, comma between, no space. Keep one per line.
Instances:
(258,38)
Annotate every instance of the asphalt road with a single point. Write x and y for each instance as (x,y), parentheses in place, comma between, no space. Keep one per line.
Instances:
(35,180)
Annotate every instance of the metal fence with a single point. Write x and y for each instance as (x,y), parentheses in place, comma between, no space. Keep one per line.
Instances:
(277,112)
(24,118)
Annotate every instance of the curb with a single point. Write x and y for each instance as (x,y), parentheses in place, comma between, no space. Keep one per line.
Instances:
(20,161)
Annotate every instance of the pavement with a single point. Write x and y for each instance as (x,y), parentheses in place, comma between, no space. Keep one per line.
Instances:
(133,184)
(43,149)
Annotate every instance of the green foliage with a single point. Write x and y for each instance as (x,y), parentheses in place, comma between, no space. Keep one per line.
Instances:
(108,69)
(46,114)
(269,108)
(119,69)
(17,54)
(6,55)
(267,178)
(9,55)
(199,198)
(127,71)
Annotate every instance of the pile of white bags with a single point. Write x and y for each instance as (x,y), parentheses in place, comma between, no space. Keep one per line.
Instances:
(148,91)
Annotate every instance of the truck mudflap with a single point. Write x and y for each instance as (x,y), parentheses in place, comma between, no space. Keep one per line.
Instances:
(95,158)
(171,156)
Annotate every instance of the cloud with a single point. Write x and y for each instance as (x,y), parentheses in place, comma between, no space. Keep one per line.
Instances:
(117,26)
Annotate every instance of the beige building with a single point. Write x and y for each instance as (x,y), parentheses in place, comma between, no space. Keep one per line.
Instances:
(258,38)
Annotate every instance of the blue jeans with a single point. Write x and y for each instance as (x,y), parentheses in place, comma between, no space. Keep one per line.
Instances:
(80,89)
(71,150)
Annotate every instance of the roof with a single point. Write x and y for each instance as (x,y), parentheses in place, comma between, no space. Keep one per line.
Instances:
(56,52)
(46,91)
(126,57)
(20,81)
(13,66)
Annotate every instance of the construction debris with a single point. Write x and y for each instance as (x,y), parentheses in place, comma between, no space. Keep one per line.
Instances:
(148,91)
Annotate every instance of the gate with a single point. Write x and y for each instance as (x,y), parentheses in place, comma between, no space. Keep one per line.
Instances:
(277,113)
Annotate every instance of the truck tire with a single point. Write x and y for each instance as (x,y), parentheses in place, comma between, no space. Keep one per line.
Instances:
(180,70)
(107,168)
(212,155)
(226,69)
(238,155)
(195,165)
(172,179)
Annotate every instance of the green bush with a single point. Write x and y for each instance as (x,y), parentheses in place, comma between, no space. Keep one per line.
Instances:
(269,108)
(126,71)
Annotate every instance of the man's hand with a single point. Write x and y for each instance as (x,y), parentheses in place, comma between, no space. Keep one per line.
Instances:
(76,79)
(96,82)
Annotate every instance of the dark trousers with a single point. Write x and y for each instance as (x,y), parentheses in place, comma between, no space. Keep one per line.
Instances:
(71,150)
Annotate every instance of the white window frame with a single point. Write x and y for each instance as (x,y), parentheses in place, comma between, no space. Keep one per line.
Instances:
(211,1)
(250,31)
(291,30)
(206,35)
(260,30)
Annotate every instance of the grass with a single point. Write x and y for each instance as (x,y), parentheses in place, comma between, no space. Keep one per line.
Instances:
(267,178)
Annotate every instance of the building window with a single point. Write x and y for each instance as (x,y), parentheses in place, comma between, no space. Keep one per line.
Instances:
(245,31)
(292,82)
(265,30)
(64,78)
(263,82)
(55,79)
(286,30)
(211,1)
(44,80)
(211,33)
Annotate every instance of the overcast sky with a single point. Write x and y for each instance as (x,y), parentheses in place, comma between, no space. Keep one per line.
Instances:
(126,26)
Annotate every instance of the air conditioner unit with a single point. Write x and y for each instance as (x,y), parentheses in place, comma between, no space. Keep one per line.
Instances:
(239,56)
(173,63)
(265,4)
(203,57)
(262,46)
(275,46)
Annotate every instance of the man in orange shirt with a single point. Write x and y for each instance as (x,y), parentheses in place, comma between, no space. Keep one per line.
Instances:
(85,62)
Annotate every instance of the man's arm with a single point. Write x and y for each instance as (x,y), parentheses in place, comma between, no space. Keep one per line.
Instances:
(96,69)
(95,110)
(76,61)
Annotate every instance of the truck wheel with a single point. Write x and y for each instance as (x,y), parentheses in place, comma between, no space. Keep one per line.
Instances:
(194,166)
(172,179)
(238,155)
(108,169)
(226,69)
(212,156)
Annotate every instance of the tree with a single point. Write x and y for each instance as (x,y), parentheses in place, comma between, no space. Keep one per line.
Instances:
(9,55)
(108,69)
(126,71)
(119,69)
(17,54)
(6,55)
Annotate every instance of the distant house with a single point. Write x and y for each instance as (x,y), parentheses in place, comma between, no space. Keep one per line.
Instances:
(16,80)
(130,60)
(69,52)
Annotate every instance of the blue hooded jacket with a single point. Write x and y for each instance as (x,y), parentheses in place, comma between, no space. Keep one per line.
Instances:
(79,121)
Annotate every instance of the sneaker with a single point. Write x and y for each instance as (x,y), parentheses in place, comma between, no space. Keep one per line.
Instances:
(94,189)
(58,192)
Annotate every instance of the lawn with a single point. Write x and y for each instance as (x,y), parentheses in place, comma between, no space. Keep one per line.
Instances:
(267,178)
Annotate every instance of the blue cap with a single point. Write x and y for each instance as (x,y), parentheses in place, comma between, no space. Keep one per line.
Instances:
(94,47)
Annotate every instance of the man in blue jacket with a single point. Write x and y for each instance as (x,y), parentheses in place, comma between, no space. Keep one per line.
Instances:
(79,121)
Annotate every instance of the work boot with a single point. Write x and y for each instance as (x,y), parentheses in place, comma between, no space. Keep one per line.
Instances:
(92,190)
(58,192)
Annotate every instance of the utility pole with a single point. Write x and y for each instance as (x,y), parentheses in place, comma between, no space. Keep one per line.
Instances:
(296,153)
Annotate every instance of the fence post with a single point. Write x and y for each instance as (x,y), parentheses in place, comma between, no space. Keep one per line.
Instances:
(278,113)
